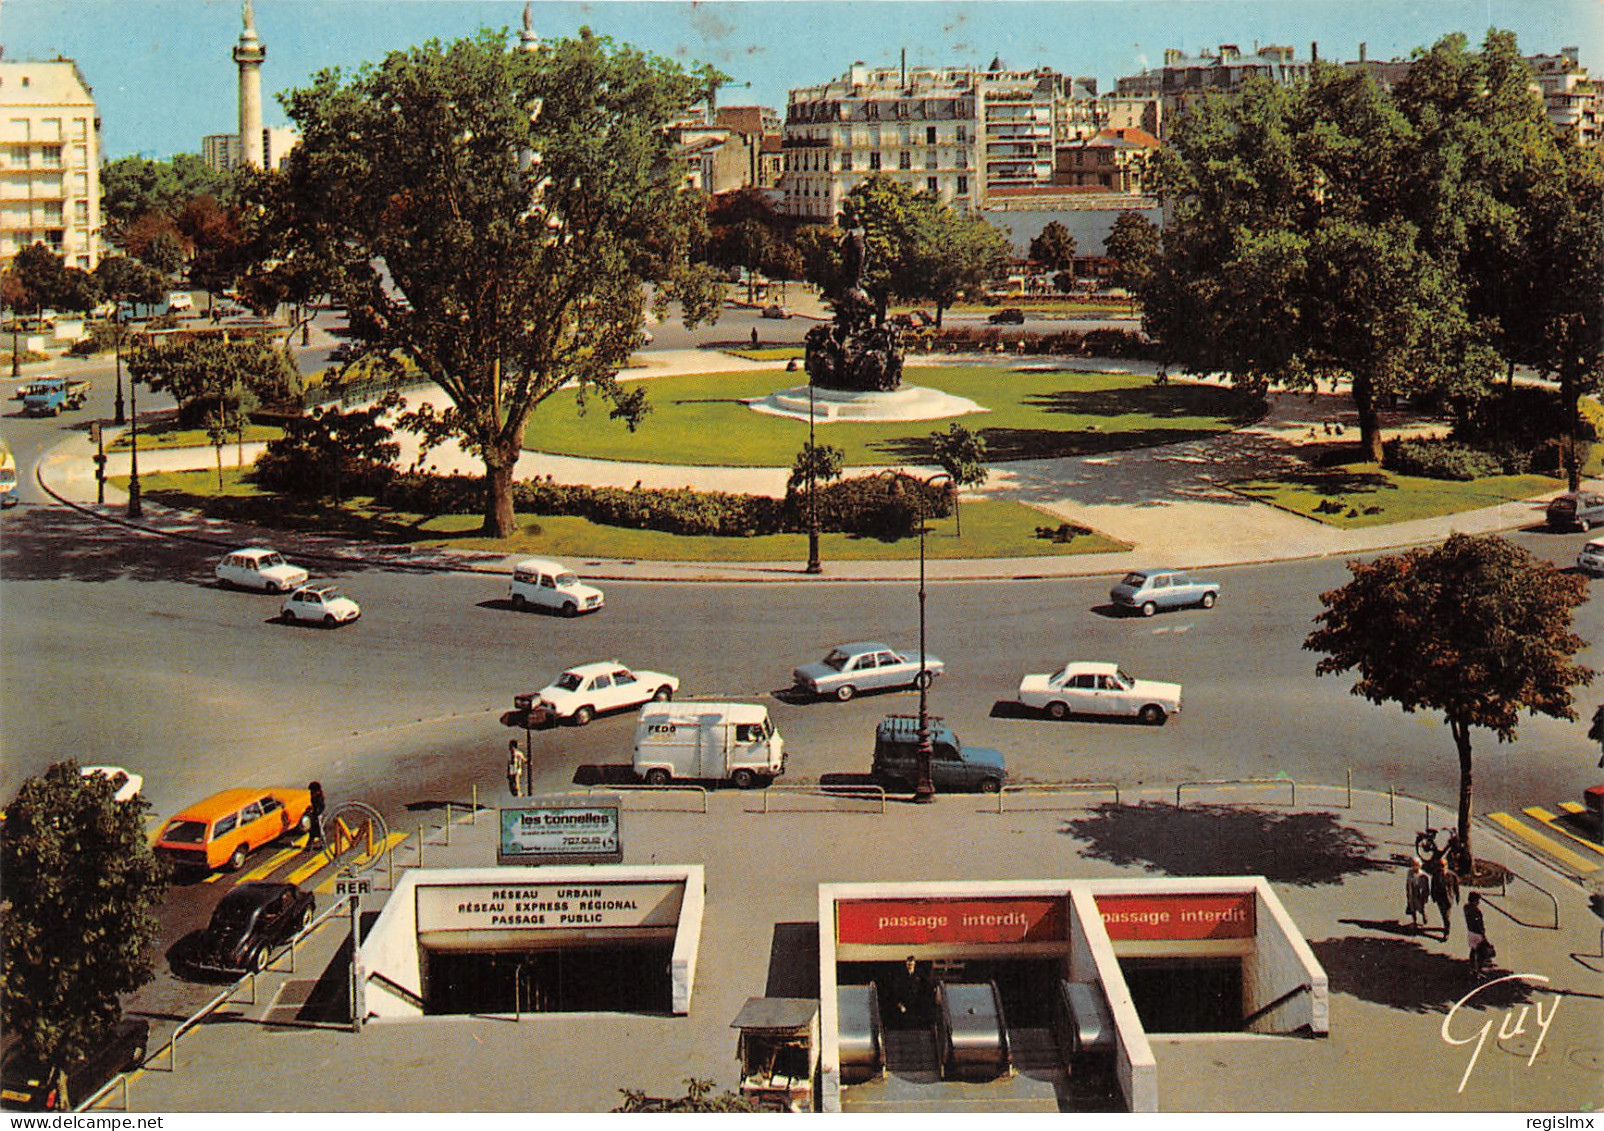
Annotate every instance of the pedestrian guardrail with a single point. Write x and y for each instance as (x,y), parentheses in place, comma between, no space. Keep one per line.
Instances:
(1058,787)
(1236,781)
(1503,893)
(643,788)
(866,791)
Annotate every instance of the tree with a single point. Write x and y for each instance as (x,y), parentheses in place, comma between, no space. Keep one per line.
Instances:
(226,417)
(744,230)
(954,254)
(815,465)
(1133,245)
(699,1096)
(200,374)
(76,924)
(125,279)
(132,187)
(41,275)
(1054,248)
(493,216)
(328,451)
(219,245)
(962,455)
(1476,628)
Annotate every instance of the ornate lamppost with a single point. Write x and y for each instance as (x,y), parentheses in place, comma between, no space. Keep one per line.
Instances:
(135,508)
(117,346)
(814,564)
(924,790)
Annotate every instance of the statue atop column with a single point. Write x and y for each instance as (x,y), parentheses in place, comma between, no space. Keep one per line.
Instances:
(852,353)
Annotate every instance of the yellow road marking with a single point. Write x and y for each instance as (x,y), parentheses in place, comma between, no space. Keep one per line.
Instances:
(268,866)
(1538,813)
(1537,840)
(318,861)
(327,886)
(1575,808)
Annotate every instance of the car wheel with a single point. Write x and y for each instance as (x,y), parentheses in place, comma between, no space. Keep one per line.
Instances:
(663,694)
(1058,710)
(570,609)
(924,680)
(274,587)
(583,715)
(1585,524)
(744,779)
(253,960)
(1148,608)
(328,620)
(990,785)
(658,776)
(845,691)
(1152,714)
(519,603)
(1208,600)
(237,860)
(288,615)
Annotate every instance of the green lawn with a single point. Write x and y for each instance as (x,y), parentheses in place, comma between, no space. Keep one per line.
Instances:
(991,529)
(767,353)
(1362,494)
(703,419)
(167,434)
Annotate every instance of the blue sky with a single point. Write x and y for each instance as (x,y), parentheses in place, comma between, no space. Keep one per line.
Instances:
(163,76)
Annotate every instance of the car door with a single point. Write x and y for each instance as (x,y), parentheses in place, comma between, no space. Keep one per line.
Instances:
(1182,591)
(272,923)
(892,670)
(546,592)
(600,690)
(947,770)
(1159,591)
(275,816)
(1081,693)
(627,691)
(1113,696)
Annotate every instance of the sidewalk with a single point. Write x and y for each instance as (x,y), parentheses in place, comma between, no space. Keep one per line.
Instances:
(1338,870)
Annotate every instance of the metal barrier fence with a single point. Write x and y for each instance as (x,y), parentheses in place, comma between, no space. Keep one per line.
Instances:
(1237,781)
(1503,893)
(120,1081)
(1057,787)
(634,788)
(866,792)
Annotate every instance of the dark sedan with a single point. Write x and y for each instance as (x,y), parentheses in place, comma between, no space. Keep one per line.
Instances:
(25,1085)
(249,922)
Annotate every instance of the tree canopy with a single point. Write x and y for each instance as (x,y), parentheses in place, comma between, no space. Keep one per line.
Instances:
(132,187)
(492,216)
(80,883)
(205,376)
(1477,628)
(1054,248)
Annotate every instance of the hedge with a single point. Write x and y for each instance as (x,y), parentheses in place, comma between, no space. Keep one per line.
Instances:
(1077,343)
(1439,459)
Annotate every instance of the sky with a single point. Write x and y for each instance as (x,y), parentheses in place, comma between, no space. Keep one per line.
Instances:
(163,76)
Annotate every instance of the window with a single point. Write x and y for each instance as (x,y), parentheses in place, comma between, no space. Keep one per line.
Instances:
(226,824)
(50,154)
(930,185)
(963,133)
(623,679)
(601,683)
(846,162)
(52,211)
(904,160)
(930,135)
(930,160)
(874,161)
(251,812)
(963,186)
(270,805)
(546,582)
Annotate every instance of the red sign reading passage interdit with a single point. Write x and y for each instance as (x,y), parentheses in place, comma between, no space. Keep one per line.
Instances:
(912,921)
(1200,916)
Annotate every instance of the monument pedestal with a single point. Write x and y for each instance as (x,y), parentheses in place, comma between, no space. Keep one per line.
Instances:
(908,402)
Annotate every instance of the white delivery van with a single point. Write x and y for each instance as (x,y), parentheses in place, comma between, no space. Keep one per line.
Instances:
(723,741)
(551,585)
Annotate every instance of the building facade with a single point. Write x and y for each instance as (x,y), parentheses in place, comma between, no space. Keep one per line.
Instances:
(1570,95)
(49,162)
(223,152)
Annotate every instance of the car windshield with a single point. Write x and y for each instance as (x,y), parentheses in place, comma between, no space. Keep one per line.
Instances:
(836,660)
(233,914)
(185,832)
(1124,680)
(329,594)
(1563,503)
(1134,579)
(569,681)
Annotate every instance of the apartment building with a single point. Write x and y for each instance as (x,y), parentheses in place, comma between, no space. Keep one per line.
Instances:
(1111,160)
(49,162)
(738,148)
(1571,97)
(224,151)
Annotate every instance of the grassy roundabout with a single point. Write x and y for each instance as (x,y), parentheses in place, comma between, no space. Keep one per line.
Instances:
(991,529)
(703,419)
(1363,494)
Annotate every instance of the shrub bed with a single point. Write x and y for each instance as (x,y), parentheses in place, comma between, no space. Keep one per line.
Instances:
(1077,343)
(1439,459)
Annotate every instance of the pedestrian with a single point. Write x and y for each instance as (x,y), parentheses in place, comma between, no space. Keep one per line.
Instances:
(314,813)
(1596,732)
(1482,952)
(1417,892)
(517,762)
(1444,888)
(754,335)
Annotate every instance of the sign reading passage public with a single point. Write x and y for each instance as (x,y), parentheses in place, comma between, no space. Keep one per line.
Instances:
(1198,915)
(562,830)
(912,921)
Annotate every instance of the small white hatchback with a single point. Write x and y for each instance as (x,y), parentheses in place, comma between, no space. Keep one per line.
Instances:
(259,568)
(319,604)
(538,583)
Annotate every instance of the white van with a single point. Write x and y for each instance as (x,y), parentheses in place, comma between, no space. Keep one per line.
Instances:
(733,742)
(550,585)
(178,301)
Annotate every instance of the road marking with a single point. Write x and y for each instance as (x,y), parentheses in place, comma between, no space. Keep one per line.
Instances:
(268,866)
(1537,840)
(1538,813)
(1574,808)
(312,867)
(327,886)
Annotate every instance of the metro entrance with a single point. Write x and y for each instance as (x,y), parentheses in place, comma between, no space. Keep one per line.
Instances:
(602,979)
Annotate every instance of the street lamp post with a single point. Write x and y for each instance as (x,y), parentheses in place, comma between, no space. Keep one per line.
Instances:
(117,346)
(135,508)
(814,564)
(924,790)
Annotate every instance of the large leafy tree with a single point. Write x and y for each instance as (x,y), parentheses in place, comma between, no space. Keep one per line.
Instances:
(492,216)
(205,376)
(48,282)
(745,230)
(1477,628)
(1054,248)
(125,279)
(1133,244)
(1310,238)
(132,187)
(954,254)
(79,883)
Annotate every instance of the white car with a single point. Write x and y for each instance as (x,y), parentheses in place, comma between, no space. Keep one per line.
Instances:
(580,693)
(1100,689)
(1591,559)
(543,584)
(319,604)
(258,568)
(125,784)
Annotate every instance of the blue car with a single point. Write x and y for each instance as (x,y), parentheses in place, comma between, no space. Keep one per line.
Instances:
(1150,590)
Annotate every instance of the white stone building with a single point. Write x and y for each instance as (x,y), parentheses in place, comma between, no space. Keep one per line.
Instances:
(49,162)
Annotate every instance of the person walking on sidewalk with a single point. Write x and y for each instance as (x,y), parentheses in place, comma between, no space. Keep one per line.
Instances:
(1417,892)
(314,812)
(1482,952)
(517,763)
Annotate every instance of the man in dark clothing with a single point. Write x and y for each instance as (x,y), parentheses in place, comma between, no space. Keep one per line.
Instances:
(913,995)
(314,835)
(1481,950)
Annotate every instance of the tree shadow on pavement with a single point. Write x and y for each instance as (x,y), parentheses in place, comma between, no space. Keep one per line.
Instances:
(50,543)
(1401,974)
(1301,849)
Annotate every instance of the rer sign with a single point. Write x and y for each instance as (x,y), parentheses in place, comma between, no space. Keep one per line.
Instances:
(562,830)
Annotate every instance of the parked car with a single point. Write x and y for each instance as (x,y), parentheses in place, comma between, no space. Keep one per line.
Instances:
(543,584)
(249,922)
(953,766)
(221,831)
(1579,510)
(320,604)
(1007,316)
(1100,689)
(1591,558)
(864,666)
(581,693)
(27,1085)
(1150,590)
(179,301)
(775,310)
(256,567)
(125,786)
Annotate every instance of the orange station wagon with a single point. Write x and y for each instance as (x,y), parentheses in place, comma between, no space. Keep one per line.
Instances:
(223,830)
